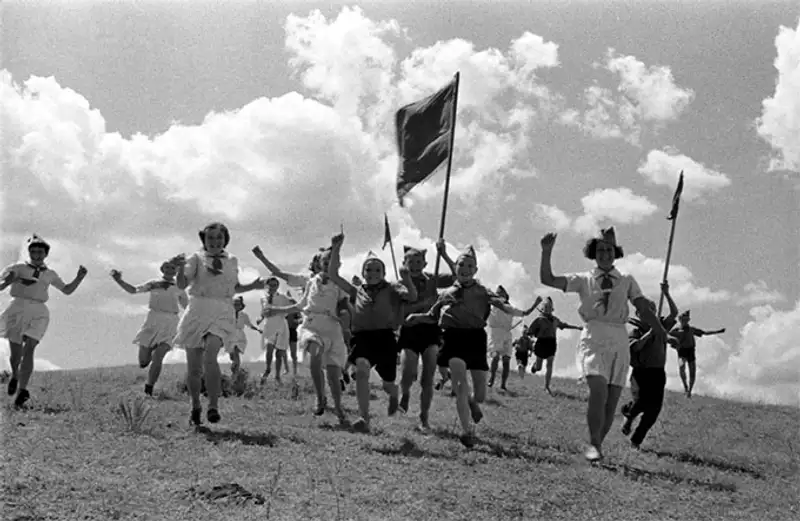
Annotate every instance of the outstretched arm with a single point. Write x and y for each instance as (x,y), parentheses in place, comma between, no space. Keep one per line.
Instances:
(117,276)
(333,266)
(701,332)
(270,266)
(546,276)
(70,288)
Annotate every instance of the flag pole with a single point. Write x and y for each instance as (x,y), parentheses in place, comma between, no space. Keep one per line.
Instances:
(674,215)
(449,168)
(391,248)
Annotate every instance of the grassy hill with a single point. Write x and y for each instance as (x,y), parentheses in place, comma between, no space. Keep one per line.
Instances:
(74,455)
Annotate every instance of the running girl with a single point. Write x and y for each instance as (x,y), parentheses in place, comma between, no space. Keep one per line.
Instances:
(544,329)
(237,345)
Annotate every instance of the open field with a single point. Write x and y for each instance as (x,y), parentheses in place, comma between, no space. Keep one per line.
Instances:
(73,455)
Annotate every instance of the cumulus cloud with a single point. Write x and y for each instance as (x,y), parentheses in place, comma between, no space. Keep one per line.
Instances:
(645,97)
(757,293)
(664,167)
(601,206)
(648,272)
(762,365)
(779,124)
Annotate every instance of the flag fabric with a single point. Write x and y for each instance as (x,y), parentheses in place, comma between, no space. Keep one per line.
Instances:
(676,199)
(387,235)
(423,137)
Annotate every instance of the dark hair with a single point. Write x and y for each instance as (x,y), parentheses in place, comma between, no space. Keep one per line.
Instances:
(39,243)
(215,226)
(590,249)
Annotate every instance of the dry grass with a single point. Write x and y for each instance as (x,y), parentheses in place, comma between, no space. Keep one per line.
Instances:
(76,455)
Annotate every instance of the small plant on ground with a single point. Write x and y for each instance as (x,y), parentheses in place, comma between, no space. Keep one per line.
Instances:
(133,413)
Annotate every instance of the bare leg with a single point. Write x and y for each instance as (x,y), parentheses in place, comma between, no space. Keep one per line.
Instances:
(426,383)
(493,368)
(596,411)
(682,372)
(506,370)
(279,359)
(362,387)
(317,375)
(14,360)
(334,375)
(293,352)
(194,375)
(409,366)
(26,365)
(270,352)
(236,361)
(692,375)
(612,399)
(211,367)
(458,375)
(548,375)
(157,363)
(145,356)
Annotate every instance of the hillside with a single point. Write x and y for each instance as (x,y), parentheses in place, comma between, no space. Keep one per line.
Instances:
(74,456)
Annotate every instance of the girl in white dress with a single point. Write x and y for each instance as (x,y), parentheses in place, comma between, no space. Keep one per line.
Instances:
(275,338)
(25,320)
(211,277)
(236,347)
(155,336)
(320,334)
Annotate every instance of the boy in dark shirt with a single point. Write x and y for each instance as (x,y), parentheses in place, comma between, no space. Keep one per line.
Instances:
(648,379)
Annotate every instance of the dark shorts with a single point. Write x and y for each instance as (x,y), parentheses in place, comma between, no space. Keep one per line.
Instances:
(418,338)
(545,347)
(687,354)
(467,344)
(292,334)
(379,348)
(522,357)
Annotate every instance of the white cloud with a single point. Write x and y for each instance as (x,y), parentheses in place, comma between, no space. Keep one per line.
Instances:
(123,308)
(646,97)
(649,271)
(761,366)
(756,293)
(664,167)
(608,205)
(779,123)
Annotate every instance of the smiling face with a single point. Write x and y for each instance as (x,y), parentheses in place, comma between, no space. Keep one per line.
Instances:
(415,263)
(168,271)
(37,254)
(373,272)
(272,286)
(604,255)
(466,268)
(214,241)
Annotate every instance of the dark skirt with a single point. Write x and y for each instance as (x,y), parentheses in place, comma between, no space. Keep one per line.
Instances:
(687,354)
(419,337)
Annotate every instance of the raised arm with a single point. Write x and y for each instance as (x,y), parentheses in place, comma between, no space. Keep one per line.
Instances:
(441,250)
(70,288)
(701,332)
(673,309)
(117,276)
(546,276)
(407,289)
(335,262)
(643,307)
(181,280)
(270,266)
(564,325)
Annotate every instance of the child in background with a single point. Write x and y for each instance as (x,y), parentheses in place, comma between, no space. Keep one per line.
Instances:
(544,329)
(237,345)
(499,327)
(156,334)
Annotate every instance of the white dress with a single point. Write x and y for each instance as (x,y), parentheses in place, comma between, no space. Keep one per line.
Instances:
(210,310)
(239,339)
(276,329)
(27,314)
(161,323)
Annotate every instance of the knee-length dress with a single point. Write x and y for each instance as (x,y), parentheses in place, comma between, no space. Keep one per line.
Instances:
(161,323)
(210,310)
(27,314)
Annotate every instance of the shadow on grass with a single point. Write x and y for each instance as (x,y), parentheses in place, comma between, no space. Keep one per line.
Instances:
(260,439)
(409,449)
(517,452)
(494,402)
(569,396)
(687,457)
(636,474)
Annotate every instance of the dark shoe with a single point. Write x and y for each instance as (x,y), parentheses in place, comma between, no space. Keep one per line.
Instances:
(344,387)
(213,416)
(346,378)
(475,410)
(491,383)
(148,390)
(320,410)
(12,386)
(22,397)
(467,440)
(195,417)
(394,405)
(626,427)
(404,403)
(361,425)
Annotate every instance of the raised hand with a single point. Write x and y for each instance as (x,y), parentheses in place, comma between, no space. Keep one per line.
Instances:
(441,246)
(665,287)
(257,251)
(337,239)
(178,260)
(82,271)
(548,241)
(404,273)
(116,274)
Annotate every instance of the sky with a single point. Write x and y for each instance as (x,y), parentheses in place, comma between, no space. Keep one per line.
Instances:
(128,126)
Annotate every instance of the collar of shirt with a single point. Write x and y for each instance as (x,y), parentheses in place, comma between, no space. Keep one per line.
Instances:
(598,273)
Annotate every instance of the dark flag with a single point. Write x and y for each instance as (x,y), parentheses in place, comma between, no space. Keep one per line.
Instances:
(423,137)
(676,199)
(387,235)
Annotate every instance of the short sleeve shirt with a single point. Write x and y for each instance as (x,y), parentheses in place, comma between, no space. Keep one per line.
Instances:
(604,305)
(29,287)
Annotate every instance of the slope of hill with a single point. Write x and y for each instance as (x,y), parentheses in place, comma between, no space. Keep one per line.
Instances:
(73,455)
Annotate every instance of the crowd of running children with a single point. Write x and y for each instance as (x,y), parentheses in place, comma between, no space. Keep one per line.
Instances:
(451,321)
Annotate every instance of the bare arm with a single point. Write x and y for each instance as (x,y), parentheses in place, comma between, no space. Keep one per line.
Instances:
(9,279)
(269,265)
(333,267)
(70,288)
(673,308)
(546,276)
(407,288)
(117,276)
(244,288)
(441,250)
